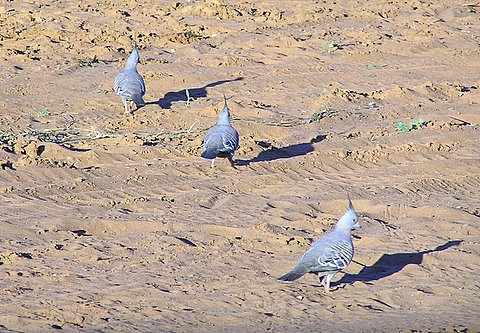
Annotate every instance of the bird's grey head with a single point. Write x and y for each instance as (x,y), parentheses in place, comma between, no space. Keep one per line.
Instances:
(133,58)
(349,220)
(224,115)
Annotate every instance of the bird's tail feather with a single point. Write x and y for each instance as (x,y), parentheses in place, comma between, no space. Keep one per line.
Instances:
(291,276)
(209,154)
(139,101)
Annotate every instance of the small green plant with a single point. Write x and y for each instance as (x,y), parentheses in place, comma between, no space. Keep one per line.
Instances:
(101,91)
(43,112)
(415,124)
(329,43)
(321,93)
(373,66)
(189,98)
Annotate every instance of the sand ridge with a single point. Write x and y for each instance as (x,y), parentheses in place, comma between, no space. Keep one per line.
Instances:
(113,223)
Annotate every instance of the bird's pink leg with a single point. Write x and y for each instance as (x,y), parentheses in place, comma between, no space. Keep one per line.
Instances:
(213,163)
(328,289)
(326,284)
(127,111)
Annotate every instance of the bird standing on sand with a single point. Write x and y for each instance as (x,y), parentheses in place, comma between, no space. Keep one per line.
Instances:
(329,254)
(129,84)
(222,139)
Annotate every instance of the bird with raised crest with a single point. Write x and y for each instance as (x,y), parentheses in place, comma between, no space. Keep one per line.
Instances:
(330,254)
(222,139)
(129,84)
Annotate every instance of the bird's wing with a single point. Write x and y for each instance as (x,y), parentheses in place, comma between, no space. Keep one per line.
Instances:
(230,139)
(211,139)
(118,83)
(129,83)
(221,138)
(329,254)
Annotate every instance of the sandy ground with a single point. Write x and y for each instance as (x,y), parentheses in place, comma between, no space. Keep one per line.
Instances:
(115,224)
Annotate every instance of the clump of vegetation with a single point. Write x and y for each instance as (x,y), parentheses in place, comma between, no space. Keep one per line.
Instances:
(43,112)
(415,124)
(325,113)
(374,65)
(7,137)
(93,62)
(329,44)
(101,91)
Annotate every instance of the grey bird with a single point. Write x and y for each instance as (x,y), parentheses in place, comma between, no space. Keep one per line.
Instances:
(329,254)
(222,139)
(129,84)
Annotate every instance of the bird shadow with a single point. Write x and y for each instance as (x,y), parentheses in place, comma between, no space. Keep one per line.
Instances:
(389,264)
(274,153)
(181,96)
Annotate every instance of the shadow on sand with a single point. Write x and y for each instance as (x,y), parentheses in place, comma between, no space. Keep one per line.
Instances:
(180,96)
(274,153)
(389,264)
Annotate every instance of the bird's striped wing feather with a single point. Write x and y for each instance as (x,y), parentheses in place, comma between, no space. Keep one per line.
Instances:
(329,254)
(230,140)
(129,84)
(221,139)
